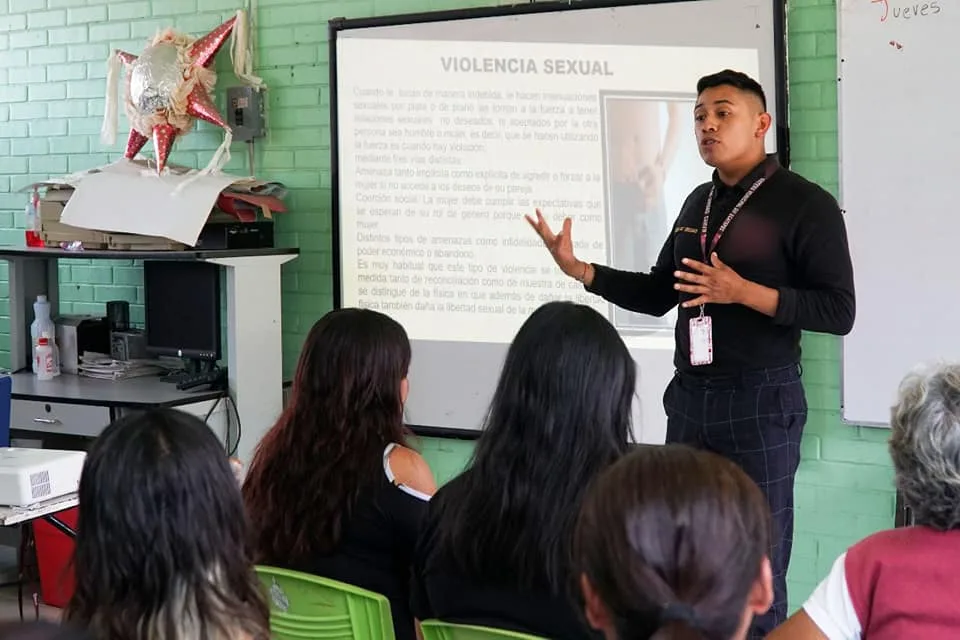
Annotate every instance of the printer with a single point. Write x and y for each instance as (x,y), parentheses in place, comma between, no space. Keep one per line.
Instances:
(29,476)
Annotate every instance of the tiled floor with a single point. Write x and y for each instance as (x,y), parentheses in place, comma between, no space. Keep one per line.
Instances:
(8,591)
(8,605)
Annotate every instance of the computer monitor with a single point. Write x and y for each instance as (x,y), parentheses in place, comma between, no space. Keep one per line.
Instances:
(182,310)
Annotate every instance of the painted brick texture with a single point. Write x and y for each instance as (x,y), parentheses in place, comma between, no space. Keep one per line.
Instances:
(52,70)
(845,484)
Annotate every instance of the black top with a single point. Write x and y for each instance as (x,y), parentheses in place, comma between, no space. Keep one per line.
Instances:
(442,590)
(376,550)
(790,236)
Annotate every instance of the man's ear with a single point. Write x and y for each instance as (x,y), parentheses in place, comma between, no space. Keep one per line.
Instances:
(765,122)
(594,609)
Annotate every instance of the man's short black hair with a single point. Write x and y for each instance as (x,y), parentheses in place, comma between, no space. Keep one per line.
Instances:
(735,79)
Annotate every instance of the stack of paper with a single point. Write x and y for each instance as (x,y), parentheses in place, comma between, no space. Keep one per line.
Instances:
(103,367)
(128,197)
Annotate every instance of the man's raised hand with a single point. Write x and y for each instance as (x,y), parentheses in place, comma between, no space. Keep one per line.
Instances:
(559,245)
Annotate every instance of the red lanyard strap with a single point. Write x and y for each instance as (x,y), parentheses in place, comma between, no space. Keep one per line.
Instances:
(723,227)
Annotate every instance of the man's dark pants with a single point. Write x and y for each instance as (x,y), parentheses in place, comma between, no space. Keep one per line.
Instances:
(755,419)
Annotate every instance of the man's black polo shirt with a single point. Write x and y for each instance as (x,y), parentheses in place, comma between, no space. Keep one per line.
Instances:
(790,236)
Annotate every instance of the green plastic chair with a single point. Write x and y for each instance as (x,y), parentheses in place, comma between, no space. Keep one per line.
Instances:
(308,606)
(439,630)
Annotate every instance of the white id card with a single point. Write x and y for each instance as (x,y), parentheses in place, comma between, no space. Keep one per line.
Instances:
(701,340)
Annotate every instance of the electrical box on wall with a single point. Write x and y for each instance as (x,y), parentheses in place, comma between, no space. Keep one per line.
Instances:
(245,113)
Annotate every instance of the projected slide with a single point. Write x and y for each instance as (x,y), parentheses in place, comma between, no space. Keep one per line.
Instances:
(445,145)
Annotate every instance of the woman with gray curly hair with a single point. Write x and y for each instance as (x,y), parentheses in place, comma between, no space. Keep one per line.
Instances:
(904,582)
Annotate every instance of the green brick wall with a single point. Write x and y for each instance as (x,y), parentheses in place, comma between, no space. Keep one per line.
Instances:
(52,70)
(845,484)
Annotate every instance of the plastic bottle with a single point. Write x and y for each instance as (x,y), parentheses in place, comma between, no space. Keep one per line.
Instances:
(32,233)
(45,363)
(52,341)
(42,324)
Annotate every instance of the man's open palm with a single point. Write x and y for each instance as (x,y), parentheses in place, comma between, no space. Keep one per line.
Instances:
(560,244)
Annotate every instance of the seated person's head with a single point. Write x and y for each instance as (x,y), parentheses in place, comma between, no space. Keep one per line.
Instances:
(161,548)
(561,413)
(672,543)
(925,446)
(346,406)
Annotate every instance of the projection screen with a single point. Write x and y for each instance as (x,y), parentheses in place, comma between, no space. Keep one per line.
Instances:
(448,127)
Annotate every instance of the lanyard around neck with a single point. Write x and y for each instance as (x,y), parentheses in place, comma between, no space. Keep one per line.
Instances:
(723,227)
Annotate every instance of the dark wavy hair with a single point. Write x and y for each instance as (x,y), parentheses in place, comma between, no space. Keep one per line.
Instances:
(162,537)
(672,540)
(560,414)
(311,467)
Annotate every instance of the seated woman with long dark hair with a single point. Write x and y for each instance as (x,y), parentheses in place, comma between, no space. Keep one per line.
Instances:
(672,544)
(332,489)
(162,538)
(495,549)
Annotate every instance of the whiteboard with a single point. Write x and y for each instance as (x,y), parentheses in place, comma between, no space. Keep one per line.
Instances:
(897,110)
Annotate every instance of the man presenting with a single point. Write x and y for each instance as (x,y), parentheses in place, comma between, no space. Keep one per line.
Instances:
(757,255)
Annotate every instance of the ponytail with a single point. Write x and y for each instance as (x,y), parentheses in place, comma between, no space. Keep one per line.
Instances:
(671,541)
(674,621)
(677,631)
(678,621)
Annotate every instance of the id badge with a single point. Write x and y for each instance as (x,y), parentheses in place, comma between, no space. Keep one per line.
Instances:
(701,340)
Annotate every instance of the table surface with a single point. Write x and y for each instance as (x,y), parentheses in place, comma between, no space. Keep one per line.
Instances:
(16,515)
(7,251)
(145,391)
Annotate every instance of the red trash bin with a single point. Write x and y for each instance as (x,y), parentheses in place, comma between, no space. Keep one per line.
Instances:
(54,559)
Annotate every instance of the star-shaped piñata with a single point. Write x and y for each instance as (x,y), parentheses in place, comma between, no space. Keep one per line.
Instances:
(168,86)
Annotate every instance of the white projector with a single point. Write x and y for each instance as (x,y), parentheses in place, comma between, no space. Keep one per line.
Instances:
(28,476)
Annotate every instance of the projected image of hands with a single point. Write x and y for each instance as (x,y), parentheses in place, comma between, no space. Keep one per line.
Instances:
(651,164)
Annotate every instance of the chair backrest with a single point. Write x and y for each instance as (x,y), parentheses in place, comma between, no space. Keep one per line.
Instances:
(439,630)
(6,389)
(308,606)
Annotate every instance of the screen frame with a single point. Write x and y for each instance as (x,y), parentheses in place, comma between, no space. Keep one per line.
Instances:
(339,24)
(216,320)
